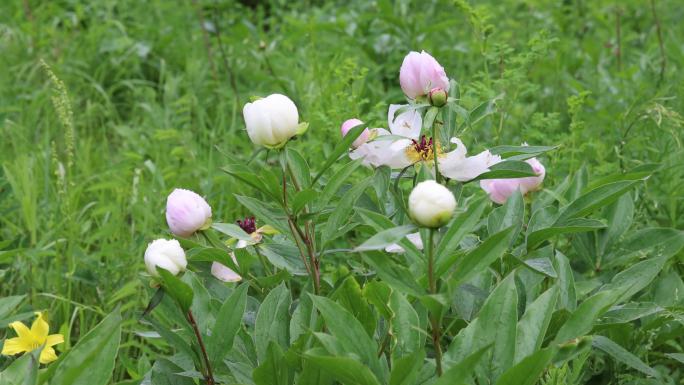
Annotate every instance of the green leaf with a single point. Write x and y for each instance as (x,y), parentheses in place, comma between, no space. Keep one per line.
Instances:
(507,169)
(528,371)
(394,274)
(386,238)
(177,289)
(303,198)
(9,305)
(349,332)
(273,370)
(594,199)
(528,151)
(463,370)
(23,370)
(341,147)
(566,282)
(497,325)
(534,323)
(576,225)
(512,213)
(262,211)
(228,321)
(405,325)
(380,222)
(298,167)
(91,361)
(232,230)
(620,354)
(272,321)
(336,181)
(582,320)
(378,293)
(479,258)
(342,211)
(349,295)
(344,369)
(406,369)
(631,281)
(459,227)
(251,178)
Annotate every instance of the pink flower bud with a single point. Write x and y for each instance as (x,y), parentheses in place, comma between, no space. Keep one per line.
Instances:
(500,189)
(533,183)
(351,123)
(186,212)
(420,73)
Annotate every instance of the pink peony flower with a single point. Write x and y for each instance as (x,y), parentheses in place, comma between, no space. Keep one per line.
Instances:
(420,73)
(500,189)
(351,123)
(186,212)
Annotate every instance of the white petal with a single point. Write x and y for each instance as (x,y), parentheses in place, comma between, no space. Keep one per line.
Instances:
(456,165)
(406,124)
(413,238)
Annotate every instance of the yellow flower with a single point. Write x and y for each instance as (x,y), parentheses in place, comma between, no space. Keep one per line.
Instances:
(28,340)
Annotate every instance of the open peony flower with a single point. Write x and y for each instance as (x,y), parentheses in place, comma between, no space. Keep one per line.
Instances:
(500,189)
(413,238)
(399,150)
(186,212)
(406,146)
(421,73)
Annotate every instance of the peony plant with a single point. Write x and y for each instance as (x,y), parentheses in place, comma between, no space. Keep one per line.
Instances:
(384,263)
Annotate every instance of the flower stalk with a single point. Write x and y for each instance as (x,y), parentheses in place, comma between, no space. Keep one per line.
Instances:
(208,375)
(432,285)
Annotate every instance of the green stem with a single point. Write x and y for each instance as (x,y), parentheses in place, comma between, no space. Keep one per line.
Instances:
(434,318)
(435,149)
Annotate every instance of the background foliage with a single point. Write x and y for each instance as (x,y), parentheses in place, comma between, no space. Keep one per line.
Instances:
(136,98)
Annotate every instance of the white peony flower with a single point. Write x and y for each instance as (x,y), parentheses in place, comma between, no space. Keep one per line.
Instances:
(271,121)
(430,204)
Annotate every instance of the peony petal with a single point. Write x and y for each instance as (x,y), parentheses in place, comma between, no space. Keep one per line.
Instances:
(456,165)
(407,124)
(224,273)
(413,238)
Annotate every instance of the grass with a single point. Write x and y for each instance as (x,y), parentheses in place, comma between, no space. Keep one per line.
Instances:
(136,98)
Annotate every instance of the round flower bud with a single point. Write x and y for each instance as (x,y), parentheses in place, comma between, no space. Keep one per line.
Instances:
(438,97)
(351,123)
(420,73)
(533,183)
(167,254)
(430,204)
(271,121)
(186,212)
(499,190)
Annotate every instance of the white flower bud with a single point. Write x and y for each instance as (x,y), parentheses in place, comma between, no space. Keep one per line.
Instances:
(167,254)
(430,204)
(271,121)
(186,212)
